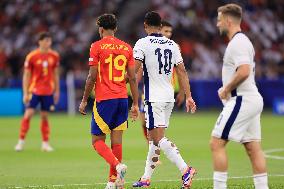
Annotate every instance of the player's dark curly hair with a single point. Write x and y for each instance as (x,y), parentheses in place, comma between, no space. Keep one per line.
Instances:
(107,21)
(43,35)
(152,19)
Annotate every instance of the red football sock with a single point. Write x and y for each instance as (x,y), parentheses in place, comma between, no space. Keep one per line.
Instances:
(104,151)
(25,125)
(45,130)
(117,151)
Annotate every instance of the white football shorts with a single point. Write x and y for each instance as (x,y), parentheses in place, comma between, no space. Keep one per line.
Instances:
(239,120)
(157,114)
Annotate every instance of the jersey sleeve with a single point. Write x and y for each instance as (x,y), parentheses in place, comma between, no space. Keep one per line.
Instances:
(177,55)
(28,62)
(94,55)
(57,60)
(241,53)
(139,51)
(131,61)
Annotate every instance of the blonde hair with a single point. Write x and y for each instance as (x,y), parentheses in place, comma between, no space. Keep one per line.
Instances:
(231,9)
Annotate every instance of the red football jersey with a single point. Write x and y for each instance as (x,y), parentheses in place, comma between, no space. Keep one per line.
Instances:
(112,56)
(42,66)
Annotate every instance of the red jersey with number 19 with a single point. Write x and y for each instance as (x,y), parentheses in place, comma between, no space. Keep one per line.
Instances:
(112,56)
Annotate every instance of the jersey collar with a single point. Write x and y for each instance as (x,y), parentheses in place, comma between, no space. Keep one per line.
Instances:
(236,34)
(156,34)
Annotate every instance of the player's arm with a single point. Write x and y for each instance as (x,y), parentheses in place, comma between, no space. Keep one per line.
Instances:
(182,74)
(138,66)
(26,81)
(240,76)
(90,83)
(56,85)
(180,95)
(139,74)
(134,91)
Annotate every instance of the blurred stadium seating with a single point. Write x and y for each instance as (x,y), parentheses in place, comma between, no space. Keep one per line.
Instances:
(72,24)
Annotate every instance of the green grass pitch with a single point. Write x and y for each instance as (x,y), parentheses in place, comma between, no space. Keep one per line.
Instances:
(74,164)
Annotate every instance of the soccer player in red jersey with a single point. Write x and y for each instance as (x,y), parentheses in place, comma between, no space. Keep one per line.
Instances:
(40,86)
(110,59)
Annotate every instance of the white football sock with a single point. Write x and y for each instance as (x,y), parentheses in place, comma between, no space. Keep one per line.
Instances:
(220,180)
(152,159)
(173,154)
(260,181)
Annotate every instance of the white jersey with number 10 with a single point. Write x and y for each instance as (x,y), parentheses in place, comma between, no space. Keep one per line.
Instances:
(159,56)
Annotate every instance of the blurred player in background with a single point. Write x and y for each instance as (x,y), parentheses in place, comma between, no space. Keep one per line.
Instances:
(159,55)
(167,31)
(240,119)
(109,60)
(40,86)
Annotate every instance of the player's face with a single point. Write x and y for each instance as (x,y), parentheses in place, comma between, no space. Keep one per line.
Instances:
(45,43)
(222,24)
(167,31)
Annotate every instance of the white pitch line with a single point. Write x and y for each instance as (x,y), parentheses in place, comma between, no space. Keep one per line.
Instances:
(101,183)
(267,154)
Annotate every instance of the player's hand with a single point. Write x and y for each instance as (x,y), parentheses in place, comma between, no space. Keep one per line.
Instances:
(190,105)
(180,98)
(82,107)
(134,112)
(223,93)
(56,97)
(26,99)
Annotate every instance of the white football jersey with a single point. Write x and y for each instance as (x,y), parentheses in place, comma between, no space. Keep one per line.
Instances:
(159,56)
(239,51)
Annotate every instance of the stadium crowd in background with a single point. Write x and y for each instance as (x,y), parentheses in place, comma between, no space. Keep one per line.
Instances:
(72,23)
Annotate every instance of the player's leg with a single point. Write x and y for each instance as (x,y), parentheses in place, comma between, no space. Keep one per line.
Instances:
(47,104)
(229,126)
(220,162)
(45,132)
(25,123)
(118,172)
(100,126)
(116,146)
(252,144)
(257,159)
(98,142)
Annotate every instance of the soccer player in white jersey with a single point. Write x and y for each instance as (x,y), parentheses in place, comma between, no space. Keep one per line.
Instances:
(158,55)
(239,120)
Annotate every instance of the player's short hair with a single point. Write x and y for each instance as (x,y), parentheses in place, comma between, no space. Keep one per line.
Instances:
(153,19)
(231,9)
(166,23)
(43,35)
(107,21)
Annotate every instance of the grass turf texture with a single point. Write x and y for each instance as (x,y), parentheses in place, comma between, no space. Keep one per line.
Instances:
(75,162)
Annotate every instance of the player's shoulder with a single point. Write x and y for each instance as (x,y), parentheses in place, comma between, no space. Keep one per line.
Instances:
(54,53)
(142,41)
(33,53)
(121,42)
(240,39)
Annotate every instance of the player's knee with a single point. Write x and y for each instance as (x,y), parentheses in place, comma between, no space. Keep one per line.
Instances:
(44,116)
(252,149)
(214,145)
(28,114)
